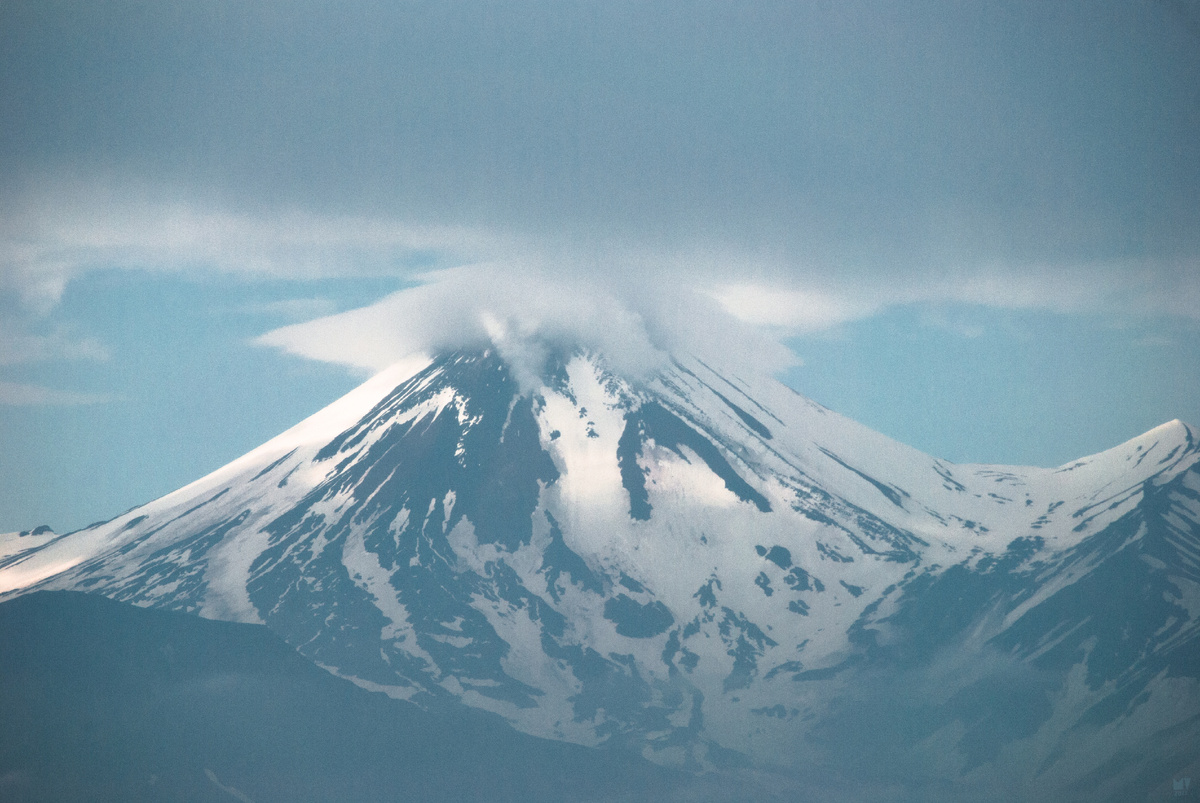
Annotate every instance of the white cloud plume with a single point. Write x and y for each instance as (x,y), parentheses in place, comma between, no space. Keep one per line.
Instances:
(523,313)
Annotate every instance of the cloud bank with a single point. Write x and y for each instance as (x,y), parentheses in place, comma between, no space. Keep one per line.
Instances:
(806,165)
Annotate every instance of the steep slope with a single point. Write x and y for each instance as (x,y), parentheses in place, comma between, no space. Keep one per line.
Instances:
(705,569)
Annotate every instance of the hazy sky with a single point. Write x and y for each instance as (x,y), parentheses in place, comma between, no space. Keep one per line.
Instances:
(976,226)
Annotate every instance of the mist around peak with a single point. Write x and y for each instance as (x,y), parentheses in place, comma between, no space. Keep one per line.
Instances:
(636,322)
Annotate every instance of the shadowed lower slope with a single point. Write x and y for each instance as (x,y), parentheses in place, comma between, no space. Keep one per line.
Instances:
(103,701)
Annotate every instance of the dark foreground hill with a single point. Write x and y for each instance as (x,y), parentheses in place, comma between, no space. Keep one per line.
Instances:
(103,701)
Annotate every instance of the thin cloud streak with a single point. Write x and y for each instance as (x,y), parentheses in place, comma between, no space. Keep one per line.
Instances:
(19,394)
(1145,290)
(46,241)
(296,310)
(18,346)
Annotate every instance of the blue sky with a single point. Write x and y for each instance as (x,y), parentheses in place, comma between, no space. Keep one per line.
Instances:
(976,227)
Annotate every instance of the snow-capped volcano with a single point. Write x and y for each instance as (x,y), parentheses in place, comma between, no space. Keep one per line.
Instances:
(712,569)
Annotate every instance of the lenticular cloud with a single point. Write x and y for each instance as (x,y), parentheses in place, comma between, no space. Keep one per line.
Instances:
(637,325)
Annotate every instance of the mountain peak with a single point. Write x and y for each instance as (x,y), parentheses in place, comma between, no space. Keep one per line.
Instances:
(687,563)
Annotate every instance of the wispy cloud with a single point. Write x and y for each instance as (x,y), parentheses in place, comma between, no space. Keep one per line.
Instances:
(937,317)
(18,346)
(51,237)
(293,309)
(794,309)
(805,302)
(19,394)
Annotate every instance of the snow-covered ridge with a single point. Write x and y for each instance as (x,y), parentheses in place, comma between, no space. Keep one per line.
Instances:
(13,544)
